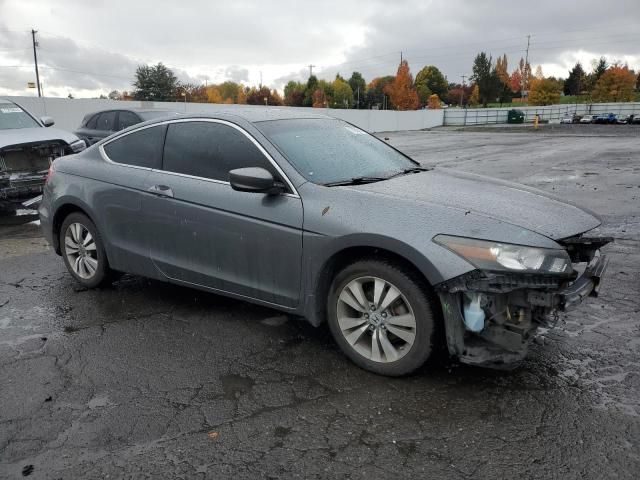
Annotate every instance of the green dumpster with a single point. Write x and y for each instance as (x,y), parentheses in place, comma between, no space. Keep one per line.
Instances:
(515,116)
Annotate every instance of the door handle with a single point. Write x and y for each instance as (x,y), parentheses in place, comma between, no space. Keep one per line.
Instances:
(161,191)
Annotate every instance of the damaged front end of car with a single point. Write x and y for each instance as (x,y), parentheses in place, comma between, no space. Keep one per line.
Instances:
(491,314)
(24,167)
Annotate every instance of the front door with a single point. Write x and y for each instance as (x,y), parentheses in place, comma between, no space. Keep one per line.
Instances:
(205,233)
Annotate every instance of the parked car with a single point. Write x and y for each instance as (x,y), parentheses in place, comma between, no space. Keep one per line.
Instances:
(634,119)
(27,148)
(315,217)
(609,118)
(98,125)
(588,119)
(566,119)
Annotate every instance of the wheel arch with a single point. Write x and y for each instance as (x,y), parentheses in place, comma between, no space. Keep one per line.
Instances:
(410,259)
(65,209)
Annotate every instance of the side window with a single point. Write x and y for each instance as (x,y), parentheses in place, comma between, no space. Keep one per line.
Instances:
(210,150)
(93,122)
(106,121)
(126,119)
(141,149)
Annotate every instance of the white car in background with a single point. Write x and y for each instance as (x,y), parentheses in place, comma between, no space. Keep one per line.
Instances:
(588,119)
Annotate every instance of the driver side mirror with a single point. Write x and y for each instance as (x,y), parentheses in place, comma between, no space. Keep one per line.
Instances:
(256,180)
(47,121)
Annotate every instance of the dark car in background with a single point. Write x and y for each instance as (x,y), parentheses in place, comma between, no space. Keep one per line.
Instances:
(316,217)
(606,118)
(98,125)
(27,149)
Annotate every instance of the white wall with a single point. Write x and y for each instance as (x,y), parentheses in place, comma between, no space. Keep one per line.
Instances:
(68,113)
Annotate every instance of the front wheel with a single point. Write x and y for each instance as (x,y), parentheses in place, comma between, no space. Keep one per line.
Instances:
(382,317)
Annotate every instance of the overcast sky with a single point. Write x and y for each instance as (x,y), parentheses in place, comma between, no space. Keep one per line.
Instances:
(92,47)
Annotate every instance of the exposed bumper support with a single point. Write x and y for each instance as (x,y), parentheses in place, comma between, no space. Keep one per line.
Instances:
(514,307)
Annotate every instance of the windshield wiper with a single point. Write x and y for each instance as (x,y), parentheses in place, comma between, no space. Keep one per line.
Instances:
(354,181)
(410,170)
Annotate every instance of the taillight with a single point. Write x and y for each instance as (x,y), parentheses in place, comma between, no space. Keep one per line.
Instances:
(49,173)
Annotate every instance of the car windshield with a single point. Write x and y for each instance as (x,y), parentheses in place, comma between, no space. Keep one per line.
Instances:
(329,150)
(12,116)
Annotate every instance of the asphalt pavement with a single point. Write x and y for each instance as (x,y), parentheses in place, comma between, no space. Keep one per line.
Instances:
(149,380)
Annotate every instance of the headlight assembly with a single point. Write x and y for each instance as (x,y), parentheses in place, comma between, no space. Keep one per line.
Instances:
(497,256)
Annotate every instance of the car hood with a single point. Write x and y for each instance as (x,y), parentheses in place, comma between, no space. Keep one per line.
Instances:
(17,136)
(509,202)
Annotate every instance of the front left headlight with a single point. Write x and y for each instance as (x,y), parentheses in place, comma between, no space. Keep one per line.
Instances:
(497,256)
(78,146)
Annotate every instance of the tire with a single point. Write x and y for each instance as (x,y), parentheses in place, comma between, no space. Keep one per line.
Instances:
(407,324)
(92,270)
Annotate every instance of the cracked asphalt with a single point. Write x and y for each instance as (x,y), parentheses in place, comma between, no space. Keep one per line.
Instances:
(149,380)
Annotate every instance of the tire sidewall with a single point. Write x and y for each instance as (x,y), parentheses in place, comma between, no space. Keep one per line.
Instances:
(102,270)
(415,293)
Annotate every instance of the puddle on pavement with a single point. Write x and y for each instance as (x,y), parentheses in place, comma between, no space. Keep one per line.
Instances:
(235,386)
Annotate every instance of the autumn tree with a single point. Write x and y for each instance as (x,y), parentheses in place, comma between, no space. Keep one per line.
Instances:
(544,91)
(342,93)
(485,77)
(474,99)
(515,81)
(575,82)
(502,72)
(520,77)
(402,93)
(294,94)
(430,80)
(155,83)
(615,85)
(195,93)
(376,92)
(263,96)
(358,87)
(434,102)
(213,94)
(457,92)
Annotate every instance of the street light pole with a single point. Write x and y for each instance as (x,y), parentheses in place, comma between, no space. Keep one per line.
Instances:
(35,60)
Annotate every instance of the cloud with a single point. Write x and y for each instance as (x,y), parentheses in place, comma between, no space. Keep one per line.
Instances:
(95,47)
(237,74)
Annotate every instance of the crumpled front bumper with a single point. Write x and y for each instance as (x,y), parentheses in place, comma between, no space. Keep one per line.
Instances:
(514,306)
(586,285)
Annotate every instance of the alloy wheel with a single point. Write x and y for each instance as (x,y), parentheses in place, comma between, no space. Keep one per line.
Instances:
(80,249)
(376,319)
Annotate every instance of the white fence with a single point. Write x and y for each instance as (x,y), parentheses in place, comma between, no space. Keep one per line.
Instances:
(68,113)
(483,116)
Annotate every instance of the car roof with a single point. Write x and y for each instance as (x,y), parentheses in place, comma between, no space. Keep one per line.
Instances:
(6,101)
(255,114)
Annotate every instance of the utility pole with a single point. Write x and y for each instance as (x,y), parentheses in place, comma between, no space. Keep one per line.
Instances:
(358,97)
(462,91)
(260,78)
(400,57)
(526,62)
(35,60)
(310,69)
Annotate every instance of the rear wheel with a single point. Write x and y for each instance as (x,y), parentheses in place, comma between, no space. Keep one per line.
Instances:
(83,252)
(382,317)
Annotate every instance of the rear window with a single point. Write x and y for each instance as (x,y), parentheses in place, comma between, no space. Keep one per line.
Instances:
(12,117)
(142,148)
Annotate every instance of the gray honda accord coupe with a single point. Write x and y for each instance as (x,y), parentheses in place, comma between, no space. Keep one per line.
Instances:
(315,217)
